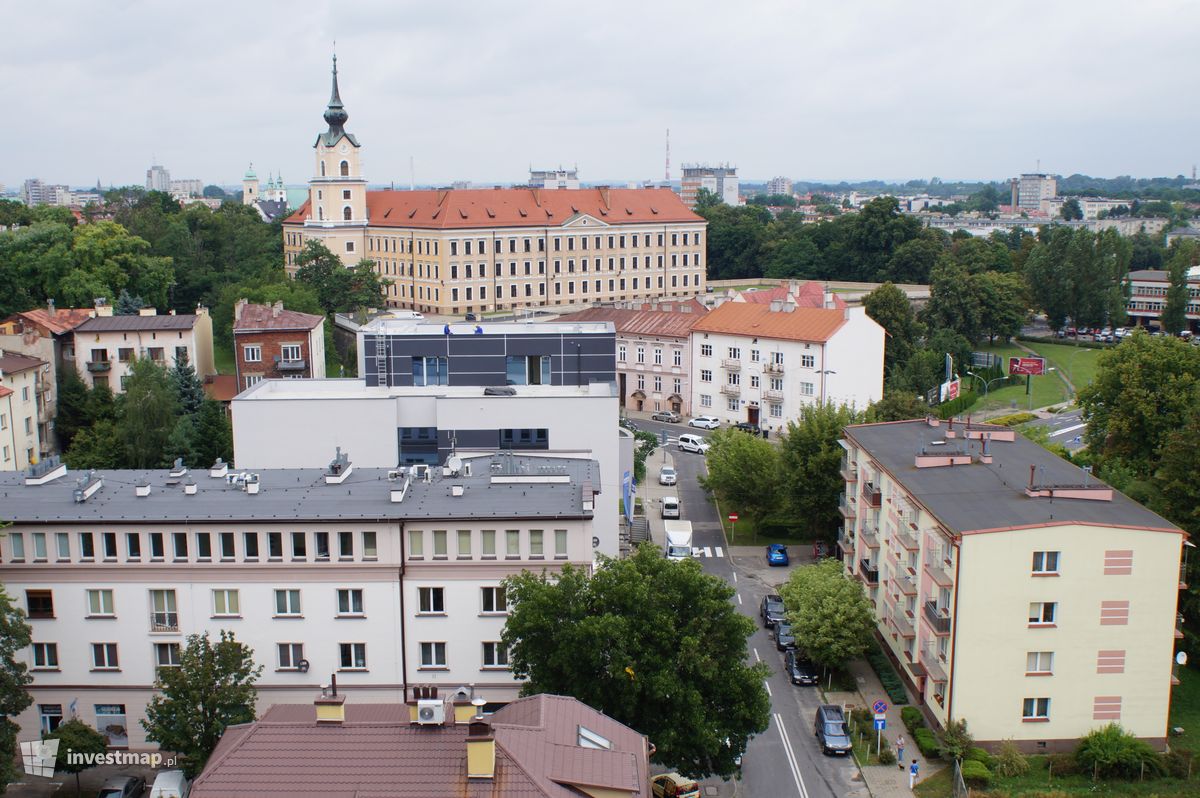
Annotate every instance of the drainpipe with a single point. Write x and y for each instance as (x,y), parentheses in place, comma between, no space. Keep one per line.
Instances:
(403,636)
(953,636)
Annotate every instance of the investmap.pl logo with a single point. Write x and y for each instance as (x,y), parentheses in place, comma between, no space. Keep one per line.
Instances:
(39,757)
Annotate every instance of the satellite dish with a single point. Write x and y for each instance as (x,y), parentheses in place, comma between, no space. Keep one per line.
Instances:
(1181,658)
(454,463)
(302,666)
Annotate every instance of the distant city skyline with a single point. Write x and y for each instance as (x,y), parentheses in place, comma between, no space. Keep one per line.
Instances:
(869,91)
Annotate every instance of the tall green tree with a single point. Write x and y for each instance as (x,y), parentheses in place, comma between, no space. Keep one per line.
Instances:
(829,612)
(1046,274)
(189,391)
(15,635)
(76,737)
(743,470)
(193,704)
(1070,210)
(1003,304)
(1174,315)
(339,288)
(655,644)
(128,305)
(811,459)
(96,446)
(891,308)
(148,412)
(912,261)
(954,301)
(72,413)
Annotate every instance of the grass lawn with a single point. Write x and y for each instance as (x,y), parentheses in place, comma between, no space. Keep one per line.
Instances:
(1078,362)
(746,536)
(1047,390)
(1185,710)
(1038,782)
(223,357)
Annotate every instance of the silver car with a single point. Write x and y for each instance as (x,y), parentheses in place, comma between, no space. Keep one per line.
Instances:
(666,476)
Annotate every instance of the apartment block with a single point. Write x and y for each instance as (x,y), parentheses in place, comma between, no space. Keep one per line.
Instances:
(779,185)
(24,412)
(1012,589)
(271,342)
(1030,190)
(107,345)
(384,577)
(1148,297)
(720,180)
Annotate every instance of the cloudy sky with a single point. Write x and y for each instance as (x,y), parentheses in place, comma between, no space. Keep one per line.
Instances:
(479,91)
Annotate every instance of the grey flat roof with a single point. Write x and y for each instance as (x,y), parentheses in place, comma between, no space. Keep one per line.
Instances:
(983,496)
(357,388)
(131,323)
(301,494)
(384,325)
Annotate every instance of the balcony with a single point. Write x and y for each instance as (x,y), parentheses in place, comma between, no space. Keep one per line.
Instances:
(906,538)
(773,396)
(846,543)
(870,536)
(847,507)
(772,368)
(935,666)
(164,622)
(292,365)
(938,619)
(731,390)
(939,572)
(99,366)
(869,572)
(849,470)
(731,364)
(1179,626)
(871,494)
(903,624)
(906,584)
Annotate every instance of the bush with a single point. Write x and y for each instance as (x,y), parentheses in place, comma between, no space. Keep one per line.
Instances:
(887,757)
(892,685)
(975,773)
(1113,752)
(927,742)
(1179,763)
(956,406)
(956,741)
(1063,764)
(981,756)
(912,718)
(1009,761)
(1013,419)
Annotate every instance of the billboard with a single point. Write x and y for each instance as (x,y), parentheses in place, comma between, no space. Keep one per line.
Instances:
(949,391)
(1027,365)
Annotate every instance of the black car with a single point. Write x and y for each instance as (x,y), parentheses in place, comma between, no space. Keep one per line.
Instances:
(629,425)
(800,669)
(746,426)
(471,317)
(771,610)
(784,639)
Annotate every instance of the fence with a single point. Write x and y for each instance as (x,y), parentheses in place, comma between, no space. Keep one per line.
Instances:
(957,785)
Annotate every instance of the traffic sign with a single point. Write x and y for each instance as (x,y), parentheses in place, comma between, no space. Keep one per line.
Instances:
(880,724)
(733,516)
(1027,365)
(880,707)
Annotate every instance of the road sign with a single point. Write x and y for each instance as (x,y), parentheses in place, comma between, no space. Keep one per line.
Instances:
(880,724)
(949,390)
(880,707)
(663,437)
(1027,365)
(733,516)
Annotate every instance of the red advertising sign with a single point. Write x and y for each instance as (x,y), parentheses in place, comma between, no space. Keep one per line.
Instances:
(1027,365)
(733,516)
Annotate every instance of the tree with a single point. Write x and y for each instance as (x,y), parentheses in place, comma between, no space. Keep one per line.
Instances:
(214,192)
(339,288)
(811,457)
(128,305)
(829,612)
(210,690)
(1046,275)
(147,414)
(891,308)
(15,635)
(897,406)
(647,442)
(954,302)
(76,737)
(956,741)
(1070,210)
(213,434)
(1174,315)
(912,261)
(706,199)
(97,446)
(189,391)
(743,470)
(654,644)
(1002,303)
(72,412)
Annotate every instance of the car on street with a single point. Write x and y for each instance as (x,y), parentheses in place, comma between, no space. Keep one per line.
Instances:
(667,476)
(746,426)
(784,637)
(830,730)
(693,443)
(672,785)
(471,317)
(629,425)
(670,416)
(800,669)
(705,422)
(122,787)
(771,610)
(777,554)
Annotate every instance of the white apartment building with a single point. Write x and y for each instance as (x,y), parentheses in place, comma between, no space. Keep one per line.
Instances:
(296,423)
(158,178)
(1148,297)
(24,383)
(107,345)
(385,578)
(761,363)
(1030,190)
(779,185)
(721,180)
(1013,590)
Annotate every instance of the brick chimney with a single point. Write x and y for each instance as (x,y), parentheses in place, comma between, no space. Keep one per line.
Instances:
(237,310)
(481,750)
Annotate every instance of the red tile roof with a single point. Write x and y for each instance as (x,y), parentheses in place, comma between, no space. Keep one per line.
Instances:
(662,323)
(807,295)
(221,387)
(264,317)
(5,392)
(63,321)
(14,361)
(759,321)
(453,209)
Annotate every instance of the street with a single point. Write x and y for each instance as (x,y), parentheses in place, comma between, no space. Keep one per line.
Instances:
(1066,428)
(784,760)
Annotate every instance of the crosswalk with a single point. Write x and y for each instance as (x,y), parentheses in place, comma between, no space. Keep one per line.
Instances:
(705,551)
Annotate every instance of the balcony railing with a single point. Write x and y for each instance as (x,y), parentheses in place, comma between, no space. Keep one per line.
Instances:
(869,572)
(935,666)
(731,390)
(939,572)
(871,494)
(1179,626)
(870,536)
(906,584)
(903,624)
(164,622)
(773,368)
(95,366)
(731,364)
(846,543)
(847,507)
(849,470)
(773,396)
(906,538)
(292,365)
(938,619)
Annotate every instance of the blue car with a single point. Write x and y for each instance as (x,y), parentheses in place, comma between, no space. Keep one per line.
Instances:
(777,554)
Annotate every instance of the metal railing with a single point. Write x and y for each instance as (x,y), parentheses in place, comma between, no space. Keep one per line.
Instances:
(848,507)
(731,364)
(869,571)
(871,494)
(164,622)
(937,618)
(849,470)
(938,571)
(99,365)
(731,390)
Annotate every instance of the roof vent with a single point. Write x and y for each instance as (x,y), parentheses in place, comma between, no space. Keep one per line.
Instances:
(141,489)
(189,487)
(456,490)
(339,468)
(47,470)
(251,483)
(398,493)
(86,486)
(219,469)
(179,470)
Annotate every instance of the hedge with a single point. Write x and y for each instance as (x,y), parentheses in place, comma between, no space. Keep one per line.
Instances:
(912,718)
(1013,419)
(887,675)
(976,773)
(956,406)
(981,756)
(927,742)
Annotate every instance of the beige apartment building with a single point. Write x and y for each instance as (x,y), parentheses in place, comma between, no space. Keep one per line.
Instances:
(452,251)
(1013,590)
(24,383)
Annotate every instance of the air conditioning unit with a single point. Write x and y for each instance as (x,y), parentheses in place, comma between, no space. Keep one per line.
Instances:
(431,712)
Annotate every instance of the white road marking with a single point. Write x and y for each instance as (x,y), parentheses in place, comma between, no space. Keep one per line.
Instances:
(767,686)
(791,757)
(719,552)
(1066,430)
(756,657)
(706,551)
(739,595)
(735,577)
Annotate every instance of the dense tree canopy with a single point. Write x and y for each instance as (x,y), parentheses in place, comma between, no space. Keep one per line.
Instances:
(15,635)
(743,470)
(829,612)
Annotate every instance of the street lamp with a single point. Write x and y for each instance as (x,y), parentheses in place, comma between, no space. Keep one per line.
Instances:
(986,383)
(823,372)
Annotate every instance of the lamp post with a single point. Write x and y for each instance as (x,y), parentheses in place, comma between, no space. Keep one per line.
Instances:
(823,372)
(986,383)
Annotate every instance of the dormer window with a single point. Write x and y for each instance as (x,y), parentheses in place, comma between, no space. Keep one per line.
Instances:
(589,739)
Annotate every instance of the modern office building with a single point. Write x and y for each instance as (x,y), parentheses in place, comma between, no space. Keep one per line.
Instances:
(1030,190)
(720,180)
(158,179)
(467,251)
(1012,589)
(554,178)
(270,342)
(1148,297)
(107,345)
(383,577)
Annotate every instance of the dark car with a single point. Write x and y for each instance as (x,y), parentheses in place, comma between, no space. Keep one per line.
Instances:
(471,317)
(746,426)
(800,669)
(629,425)
(771,610)
(784,639)
(122,787)
(830,729)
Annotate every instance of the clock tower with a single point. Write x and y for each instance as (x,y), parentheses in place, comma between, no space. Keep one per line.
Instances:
(337,192)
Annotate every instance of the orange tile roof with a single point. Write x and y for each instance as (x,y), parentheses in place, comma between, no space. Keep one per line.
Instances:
(808,295)
(455,209)
(64,319)
(665,323)
(264,317)
(751,319)
(221,387)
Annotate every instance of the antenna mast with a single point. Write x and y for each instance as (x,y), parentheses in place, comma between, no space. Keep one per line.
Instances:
(668,173)
(412,175)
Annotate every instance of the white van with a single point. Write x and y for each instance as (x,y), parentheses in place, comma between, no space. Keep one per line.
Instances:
(670,507)
(693,443)
(170,784)
(679,539)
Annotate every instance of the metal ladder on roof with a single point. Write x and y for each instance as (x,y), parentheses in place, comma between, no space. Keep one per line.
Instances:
(381,361)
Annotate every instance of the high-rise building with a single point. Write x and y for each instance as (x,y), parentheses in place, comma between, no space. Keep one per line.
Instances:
(158,178)
(187,188)
(33,192)
(779,185)
(553,178)
(721,180)
(1031,189)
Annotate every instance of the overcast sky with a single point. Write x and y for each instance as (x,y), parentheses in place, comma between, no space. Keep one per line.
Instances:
(479,91)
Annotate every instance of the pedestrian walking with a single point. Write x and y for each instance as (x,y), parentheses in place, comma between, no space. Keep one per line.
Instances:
(912,774)
(900,752)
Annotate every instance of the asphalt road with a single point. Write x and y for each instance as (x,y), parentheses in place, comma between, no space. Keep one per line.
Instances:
(784,760)
(1065,428)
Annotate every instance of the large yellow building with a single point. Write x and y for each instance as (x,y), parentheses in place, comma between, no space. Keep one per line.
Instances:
(1014,590)
(466,250)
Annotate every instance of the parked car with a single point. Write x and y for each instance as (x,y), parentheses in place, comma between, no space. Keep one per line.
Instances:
(800,669)
(746,426)
(670,416)
(170,784)
(667,476)
(784,637)
(771,610)
(629,425)
(830,729)
(705,422)
(122,787)
(670,507)
(471,317)
(777,554)
(672,785)
(693,443)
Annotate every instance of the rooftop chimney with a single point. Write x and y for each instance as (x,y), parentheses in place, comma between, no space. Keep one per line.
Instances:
(237,309)
(276,309)
(147,311)
(331,707)
(481,750)
(827,299)
(219,469)
(102,307)
(339,468)
(776,305)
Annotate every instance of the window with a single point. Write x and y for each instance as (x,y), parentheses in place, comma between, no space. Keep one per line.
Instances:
(416,543)
(163,614)
(1042,613)
(1039,662)
(777,383)
(487,541)
(641,354)
(346,545)
(512,544)
(1035,709)
(133,545)
(227,545)
(524,439)
(431,600)
(494,600)
(777,358)
(39,545)
(735,353)
(431,371)
(178,540)
(705,400)
(807,361)
(225,603)
(439,544)
(275,545)
(705,375)
(535,543)
(290,656)
(528,369)
(350,601)
(287,602)
(252,353)
(657,384)
(321,545)
(87,547)
(290,353)
(733,404)
(299,551)
(370,549)
(39,603)
(807,389)
(52,717)
(735,378)
(754,355)
(1045,562)
(657,357)
(104,657)
(433,655)
(677,357)
(464,544)
(166,655)
(353,656)
(495,655)
(560,544)
(641,382)
(345,168)
(589,739)
(16,546)
(753,380)
(621,353)
(45,656)
(705,350)
(100,603)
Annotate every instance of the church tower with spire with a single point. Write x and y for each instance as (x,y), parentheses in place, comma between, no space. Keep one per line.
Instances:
(337,192)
